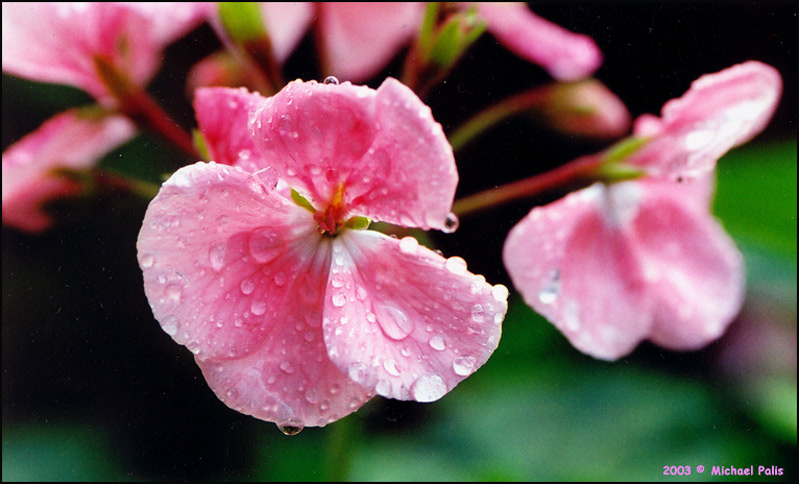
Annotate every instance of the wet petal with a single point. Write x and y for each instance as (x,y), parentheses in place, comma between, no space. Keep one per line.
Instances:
(383,147)
(564,54)
(573,264)
(222,115)
(359,39)
(404,321)
(719,111)
(58,42)
(694,270)
(68,140)
(236,273)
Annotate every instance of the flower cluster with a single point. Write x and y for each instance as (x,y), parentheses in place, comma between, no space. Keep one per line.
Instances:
(260,259)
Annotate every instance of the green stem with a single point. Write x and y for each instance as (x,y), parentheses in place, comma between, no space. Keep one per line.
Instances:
(492,115)
(580,172)
(339,449)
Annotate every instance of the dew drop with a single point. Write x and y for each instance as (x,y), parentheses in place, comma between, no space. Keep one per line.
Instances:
(383,388)
(331,80)
(147,261)
(478,313)
(464,365)
(500,293)
(247,287)
(258,308)
(451,223)
(391,367)
(428,388)
(217,256)
(280,278)
(360,293)
(437,343)
(357,372)
(408,245)
(231,393)
(286,367)
(339,300)
(395,323)
(291,428)
(456,265)
(550,292)
(170,325)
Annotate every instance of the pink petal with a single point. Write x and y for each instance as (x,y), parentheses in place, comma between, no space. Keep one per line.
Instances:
(68,140)
(382,146)
(564,54)
(405,321)
(172,20)
(571,262)
(286,23)
(57,43)
(222,115)
(694,270)
(359,39)
(237,273)
(719,111)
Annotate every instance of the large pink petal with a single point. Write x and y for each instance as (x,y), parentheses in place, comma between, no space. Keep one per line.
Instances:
(383,147)
(572,262)
(236,273)
(68,140)
(719,111)
(359,39)
(57,42)
(565,55)
(695,272)
(403,320)
(286,23)
(222,116)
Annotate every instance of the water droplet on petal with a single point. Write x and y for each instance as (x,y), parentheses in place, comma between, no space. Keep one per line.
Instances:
(395,323)
(331,80)
(408,245)
(357,372)
(500,293)
(286,367)
(437,343)
(258,308)
(147,261)
(217,256)
(456,265)
(170,325)
(451,223)
(339,300)
(231,393)
(464,365)
(247,287)
(428,388)
(478,313)
(293,427)
(280,278)
(383,388)
(391,367)
(549,293)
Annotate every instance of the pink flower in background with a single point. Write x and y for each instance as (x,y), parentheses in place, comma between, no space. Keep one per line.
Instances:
(58,42)
(358,39)
(611,266)
(294,313)
(719,111)
(68,140)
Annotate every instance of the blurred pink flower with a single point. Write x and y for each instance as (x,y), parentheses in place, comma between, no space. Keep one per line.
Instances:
(611,266)
(58,42)
(295,314)
(719,111)
(68,140)
(358,39)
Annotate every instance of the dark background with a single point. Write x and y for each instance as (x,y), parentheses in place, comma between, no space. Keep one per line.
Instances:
(94,389)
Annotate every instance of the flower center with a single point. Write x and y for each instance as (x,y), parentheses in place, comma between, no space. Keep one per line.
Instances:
(330,219)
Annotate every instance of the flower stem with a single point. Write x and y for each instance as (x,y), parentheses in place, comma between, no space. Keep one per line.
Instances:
(581,172)
(492,115)
(137,104)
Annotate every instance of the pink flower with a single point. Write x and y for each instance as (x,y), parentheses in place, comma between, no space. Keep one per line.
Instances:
(719,111)
(359,39)
(58,42)
(68,140)
(611,266)
(295,315)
